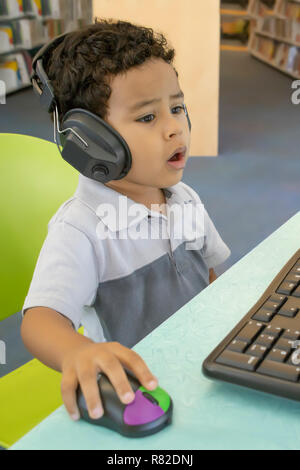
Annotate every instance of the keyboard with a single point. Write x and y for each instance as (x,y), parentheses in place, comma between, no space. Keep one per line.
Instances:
(263,350)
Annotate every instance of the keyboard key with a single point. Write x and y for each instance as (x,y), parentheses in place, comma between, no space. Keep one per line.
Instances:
(279,370)
(237,346)
(284,344)
(278,299)
(291,334)
(296,292)
(286,288)
(264,315)
(273,331)
(241,361)
(257,350)
(249,332)
(296,268)
(293,276)
(265,340)
(291,312)
(270,306)
(277,355)
(289,309)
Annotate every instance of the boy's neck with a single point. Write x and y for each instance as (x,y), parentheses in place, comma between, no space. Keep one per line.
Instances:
(143,194)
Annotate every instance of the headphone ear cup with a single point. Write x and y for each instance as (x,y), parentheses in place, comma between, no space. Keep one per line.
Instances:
(93,147)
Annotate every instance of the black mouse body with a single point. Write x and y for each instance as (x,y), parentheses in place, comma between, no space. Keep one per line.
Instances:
(148,413)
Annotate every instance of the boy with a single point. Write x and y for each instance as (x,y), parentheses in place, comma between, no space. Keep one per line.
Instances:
(118,287)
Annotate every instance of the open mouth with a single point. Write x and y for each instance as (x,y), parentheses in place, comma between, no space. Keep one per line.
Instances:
(176,157)
(177,161)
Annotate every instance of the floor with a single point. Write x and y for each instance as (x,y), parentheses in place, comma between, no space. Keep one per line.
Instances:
(249,190)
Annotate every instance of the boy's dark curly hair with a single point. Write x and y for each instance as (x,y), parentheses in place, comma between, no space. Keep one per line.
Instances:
(82,66)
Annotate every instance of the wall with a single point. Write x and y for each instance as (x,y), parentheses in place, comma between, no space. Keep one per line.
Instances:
(192,27)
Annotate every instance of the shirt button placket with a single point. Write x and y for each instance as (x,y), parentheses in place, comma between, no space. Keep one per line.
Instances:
(171,251)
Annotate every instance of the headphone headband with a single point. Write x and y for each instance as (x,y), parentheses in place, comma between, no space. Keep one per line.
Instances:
(40,81)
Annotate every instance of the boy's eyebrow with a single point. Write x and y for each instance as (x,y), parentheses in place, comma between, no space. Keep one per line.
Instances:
(141,104)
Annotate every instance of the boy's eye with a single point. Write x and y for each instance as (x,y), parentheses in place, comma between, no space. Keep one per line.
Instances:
(148,115)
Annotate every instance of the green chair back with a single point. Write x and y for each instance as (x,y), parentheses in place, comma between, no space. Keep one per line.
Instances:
(35,181)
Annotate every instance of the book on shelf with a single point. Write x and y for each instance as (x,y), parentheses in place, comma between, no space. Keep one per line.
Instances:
(288,30)
(15,70)
(6,38)
(68,10)
(52,18)
(11,8)
(264,47)
(291,59)
(17,8)
(66,15)
(28,24)
(33,6)
(32,33)
(282,55)
(290,10)
(24,33)
(257,8)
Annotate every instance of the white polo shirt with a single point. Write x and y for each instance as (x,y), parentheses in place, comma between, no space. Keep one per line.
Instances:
(119,268)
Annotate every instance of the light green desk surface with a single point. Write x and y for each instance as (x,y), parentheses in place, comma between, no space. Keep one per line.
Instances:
(207,414)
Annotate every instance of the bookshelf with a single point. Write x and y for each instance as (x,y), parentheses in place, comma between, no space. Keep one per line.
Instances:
(275,39)
(235,24)
(26,25)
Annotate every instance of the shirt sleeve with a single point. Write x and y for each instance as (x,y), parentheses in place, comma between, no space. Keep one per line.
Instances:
(215,251)
(65,276)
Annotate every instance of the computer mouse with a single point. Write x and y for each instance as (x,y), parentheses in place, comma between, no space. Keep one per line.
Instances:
(148,413)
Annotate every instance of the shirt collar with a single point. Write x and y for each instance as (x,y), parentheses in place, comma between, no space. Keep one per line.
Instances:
(95,195)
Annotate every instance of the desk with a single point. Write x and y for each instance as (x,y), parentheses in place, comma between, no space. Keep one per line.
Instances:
(207,414)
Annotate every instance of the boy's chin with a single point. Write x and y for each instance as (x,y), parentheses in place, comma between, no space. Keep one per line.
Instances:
(175,178)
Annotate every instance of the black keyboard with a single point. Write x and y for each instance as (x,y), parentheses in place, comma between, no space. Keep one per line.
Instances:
(263,349)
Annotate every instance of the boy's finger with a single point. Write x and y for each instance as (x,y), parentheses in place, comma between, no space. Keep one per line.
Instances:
(88,383)
(137,365)
(113,369)
(69,385)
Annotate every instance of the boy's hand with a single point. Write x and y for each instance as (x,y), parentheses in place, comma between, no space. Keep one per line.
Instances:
(82,367)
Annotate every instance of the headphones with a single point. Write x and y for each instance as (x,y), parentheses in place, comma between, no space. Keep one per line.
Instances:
(90,145)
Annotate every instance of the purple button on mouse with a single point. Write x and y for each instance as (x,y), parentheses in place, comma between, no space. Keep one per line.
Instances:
(141,411)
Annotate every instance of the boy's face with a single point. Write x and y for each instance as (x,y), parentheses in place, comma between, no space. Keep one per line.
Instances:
(151,143)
